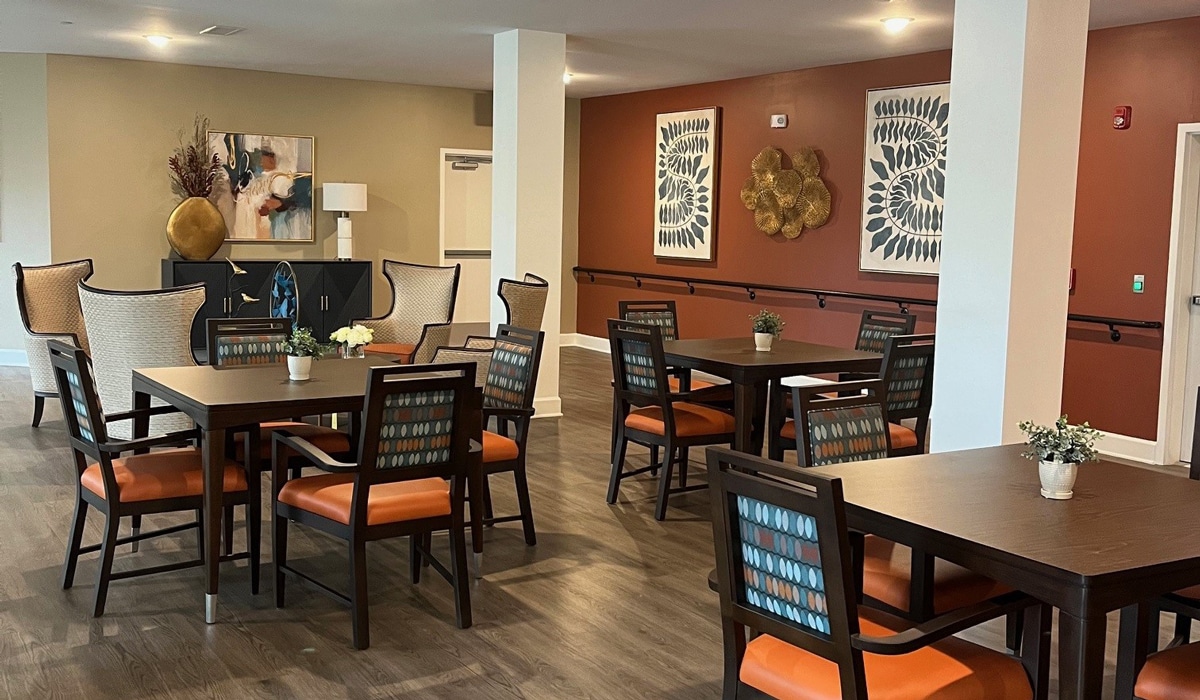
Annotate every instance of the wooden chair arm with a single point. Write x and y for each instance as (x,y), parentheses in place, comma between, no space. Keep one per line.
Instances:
(283,438)
(943,626)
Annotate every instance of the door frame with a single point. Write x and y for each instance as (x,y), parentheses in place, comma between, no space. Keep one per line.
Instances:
(443,155)
(1177,322)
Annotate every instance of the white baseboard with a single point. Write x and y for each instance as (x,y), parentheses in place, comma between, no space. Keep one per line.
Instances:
(14,358)
(1126,447)
(547,407)
(587,342)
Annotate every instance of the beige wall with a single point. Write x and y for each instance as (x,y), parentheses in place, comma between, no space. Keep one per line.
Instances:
(570,244)
(24,183)
(113,123)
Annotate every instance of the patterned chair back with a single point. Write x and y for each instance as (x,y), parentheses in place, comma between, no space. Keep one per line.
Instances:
(48,302)
(639,368)
(238,342)
(512,372)
(421,294)
(525,301)
(877,326)
(839,423)
(655,313)
(908,376)
(86,428)
(783,558)
(135,330)
(481,357)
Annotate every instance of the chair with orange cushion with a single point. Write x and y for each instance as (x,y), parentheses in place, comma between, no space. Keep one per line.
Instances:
(152,482)
(791,626)
(648,413)
(1145,673)
(907,374)
(421,295)
(409,480)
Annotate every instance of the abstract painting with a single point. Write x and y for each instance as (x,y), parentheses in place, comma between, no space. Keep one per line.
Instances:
(264,188)
(904,179)
(685,204)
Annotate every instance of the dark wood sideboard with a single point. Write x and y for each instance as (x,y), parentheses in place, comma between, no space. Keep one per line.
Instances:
(331,292)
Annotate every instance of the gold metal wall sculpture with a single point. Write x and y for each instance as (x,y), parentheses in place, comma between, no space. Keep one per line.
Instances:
(786,200)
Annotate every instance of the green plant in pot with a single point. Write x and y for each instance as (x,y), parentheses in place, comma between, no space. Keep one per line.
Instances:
(301,348)
(1060,449)
(767,326)
(196,229)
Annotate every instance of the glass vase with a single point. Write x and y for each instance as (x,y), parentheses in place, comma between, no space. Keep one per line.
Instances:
(353,352)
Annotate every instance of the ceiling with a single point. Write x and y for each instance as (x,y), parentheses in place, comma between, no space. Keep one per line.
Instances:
(613,45)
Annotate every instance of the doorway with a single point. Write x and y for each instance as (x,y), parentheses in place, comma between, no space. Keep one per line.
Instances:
(1191,228)
(466,229)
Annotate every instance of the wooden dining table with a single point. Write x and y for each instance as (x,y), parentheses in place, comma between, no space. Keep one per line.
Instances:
(221,399)
(749,371)
(1127,536)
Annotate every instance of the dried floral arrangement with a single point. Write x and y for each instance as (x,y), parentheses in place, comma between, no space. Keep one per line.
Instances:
(193,165)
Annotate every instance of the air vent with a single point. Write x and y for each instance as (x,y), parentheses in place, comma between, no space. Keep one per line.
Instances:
(220,30)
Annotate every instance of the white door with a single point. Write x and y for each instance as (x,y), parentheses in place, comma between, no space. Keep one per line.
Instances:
(1193,356)
(467,230)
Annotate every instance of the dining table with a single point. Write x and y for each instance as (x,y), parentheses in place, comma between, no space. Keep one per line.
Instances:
(750,370)
(223,399)
(1127,535)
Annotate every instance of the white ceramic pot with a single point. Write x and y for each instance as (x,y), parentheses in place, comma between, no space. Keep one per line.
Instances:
(299,368)
(762,341)
(1058,479)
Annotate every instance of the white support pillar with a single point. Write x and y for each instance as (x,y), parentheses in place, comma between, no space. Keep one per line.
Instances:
(527,180)
(1016,92)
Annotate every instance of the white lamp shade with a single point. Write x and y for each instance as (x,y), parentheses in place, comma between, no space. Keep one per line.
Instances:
(345,196)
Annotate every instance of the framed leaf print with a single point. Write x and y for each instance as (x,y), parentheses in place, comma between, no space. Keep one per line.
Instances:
(904,179)
(685,202)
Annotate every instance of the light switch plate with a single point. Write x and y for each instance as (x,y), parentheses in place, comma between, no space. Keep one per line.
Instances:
(1139,284)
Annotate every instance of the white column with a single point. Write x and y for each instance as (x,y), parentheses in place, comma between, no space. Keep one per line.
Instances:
(527,180)
(1016,92)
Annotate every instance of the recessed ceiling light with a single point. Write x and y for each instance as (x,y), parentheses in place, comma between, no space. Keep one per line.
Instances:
(895,25)
(567,77)
(158,40)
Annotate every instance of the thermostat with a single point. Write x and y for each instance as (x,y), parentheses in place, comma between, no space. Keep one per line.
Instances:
(779,121)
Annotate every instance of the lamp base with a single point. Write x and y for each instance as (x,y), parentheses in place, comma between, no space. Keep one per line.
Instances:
(345,239)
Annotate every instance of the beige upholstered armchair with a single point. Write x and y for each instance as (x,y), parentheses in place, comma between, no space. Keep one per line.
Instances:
(422,295)
(134,330)
(48,299)
(525,301)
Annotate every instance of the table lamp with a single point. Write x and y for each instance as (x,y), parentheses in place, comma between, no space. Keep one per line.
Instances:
(345,197)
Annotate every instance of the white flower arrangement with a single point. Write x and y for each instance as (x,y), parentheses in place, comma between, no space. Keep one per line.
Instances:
(353,336)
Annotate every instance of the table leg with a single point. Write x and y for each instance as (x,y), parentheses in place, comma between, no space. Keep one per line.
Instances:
(1080,656)
(1132,647)
(744,400)
(213,451)
(141,424)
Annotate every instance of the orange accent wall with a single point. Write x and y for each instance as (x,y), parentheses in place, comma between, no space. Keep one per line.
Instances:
(1122,219)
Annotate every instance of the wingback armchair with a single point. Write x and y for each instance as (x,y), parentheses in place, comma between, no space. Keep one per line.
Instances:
(422,295)
(48,300)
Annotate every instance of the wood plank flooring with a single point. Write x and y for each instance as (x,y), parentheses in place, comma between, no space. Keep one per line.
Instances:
(609,604)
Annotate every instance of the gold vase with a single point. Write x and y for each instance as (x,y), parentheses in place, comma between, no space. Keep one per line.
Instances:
(196,229)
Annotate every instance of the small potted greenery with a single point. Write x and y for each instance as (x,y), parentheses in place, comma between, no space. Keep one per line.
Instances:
(767,327)
(1059,449)
(301,347)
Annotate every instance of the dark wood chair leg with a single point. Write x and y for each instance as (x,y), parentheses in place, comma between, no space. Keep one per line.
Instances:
(461,582)
(653,460)
(358,594)
(734,641)
(683,466)
(227,527)
(1014,628)
(279,541)
(1183,631)
(135,530)
(618,466)
(1035,648)
(200,534)
(1153,620)
(1132,647)
(488,513)
(77,522)
(108,548)
(664,483)
(39,404)
(415,557)
(427,543)
(254,529)
(522,484)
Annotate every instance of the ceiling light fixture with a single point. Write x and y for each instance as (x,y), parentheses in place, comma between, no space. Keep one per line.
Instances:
(895,25)
(158,40)
(567,77)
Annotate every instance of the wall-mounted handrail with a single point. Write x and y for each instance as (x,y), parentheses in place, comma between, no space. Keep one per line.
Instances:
(822,294)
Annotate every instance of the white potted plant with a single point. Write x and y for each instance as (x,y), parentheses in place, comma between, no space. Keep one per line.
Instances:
(353,339)
(1059,449)
(768,325)
(301,347)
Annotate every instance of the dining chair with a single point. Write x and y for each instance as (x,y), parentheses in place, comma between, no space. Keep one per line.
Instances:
(1147,673)
(790,621)
(648,413)
(48,303)
(409,479)
(144,483)
(907,374)
(421,295)
(524,301)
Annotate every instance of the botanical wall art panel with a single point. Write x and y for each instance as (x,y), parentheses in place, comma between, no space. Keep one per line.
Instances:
(685,203)
(264,188)
(904,179)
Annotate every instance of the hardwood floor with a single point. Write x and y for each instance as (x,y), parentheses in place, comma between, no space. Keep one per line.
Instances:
(609,604)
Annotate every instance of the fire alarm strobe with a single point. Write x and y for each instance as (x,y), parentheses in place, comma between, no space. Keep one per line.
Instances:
(778,121)
(1122,116)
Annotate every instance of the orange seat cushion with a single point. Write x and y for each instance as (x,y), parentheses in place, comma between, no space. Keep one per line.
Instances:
(900,436)
(165,474)
(691,420)
(887,573)
(497,448)
(952,669)
(330,496)
(403,350)
(325,439)
(1170,675)
(1193,593)
(695,384)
